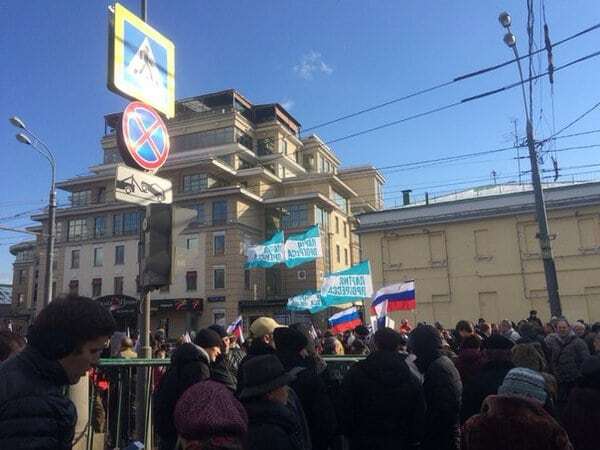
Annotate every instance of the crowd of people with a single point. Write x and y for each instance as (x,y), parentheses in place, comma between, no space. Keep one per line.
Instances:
(478,386)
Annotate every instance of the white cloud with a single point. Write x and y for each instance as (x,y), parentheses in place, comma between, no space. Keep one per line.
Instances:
(312,63)
(288,104)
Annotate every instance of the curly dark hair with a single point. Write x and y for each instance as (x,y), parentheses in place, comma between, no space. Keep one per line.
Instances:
(67,323)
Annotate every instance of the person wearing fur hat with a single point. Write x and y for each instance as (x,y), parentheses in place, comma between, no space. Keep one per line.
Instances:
(515,419)
(382,403)
(272,424)
(442,388)
(190,364)
(581,416)
(209,417)
(290,348)
(497,363)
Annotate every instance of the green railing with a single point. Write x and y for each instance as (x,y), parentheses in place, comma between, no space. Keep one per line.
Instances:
(127,403)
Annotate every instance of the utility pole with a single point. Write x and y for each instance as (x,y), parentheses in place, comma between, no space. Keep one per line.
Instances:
(540,205)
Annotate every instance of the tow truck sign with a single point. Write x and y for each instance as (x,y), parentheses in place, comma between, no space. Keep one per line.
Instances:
(135,186)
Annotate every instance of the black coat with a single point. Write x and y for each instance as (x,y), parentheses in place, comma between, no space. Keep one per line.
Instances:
(272,426)
(382,405)
(315,400)
(189,365)
(34,412)
(488,381)
(221,372)
(443,390)
(257,348)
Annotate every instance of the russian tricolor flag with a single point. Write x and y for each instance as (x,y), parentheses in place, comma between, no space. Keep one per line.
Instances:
(396,297)
(347,319)
(235,329)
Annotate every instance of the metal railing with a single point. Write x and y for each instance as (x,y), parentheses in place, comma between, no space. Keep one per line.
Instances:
(120,399)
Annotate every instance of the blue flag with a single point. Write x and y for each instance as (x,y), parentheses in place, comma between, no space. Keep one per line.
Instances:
(306,301)
(303,247)
(347,285)
(267,254)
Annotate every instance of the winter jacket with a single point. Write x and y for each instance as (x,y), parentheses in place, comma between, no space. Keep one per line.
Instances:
(234,356)
(382,405)
(272,426)
(257,348)
(189,365)
(315,400)
(581,418)
(443,390)
(34,412)
(221,372)
(488,381)
(468,363)
(513,423)
(512,335)
(568,354)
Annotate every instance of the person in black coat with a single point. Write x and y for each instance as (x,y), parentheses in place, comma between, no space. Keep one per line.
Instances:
(272,424)
(190,364)
(497,363)
(318,408)
(66,339)
(382,406)
(220,369)
(442,387)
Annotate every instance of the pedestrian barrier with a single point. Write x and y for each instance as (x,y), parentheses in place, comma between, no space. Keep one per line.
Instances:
(120,399)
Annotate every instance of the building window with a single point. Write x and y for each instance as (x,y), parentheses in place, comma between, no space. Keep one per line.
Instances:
(219,317)
(77,230)
(101,195)
(21,276)
(200,214)
(191,281)
(81,198)
(321,217)
(191,243)
(219,278)
(219,243)
(219,212)
(195,183)
(284,146)
(99,226)
(98,257)
(337,253)
(346,256)
(295,216)
(117,224)
(74,287)
(337,225)
(264,146)
(119,255)
(20,299)
(247,279)
(126,223)
(345,225)
(340,201)
(118,285)
(74,259)
(322,165)
(96,287)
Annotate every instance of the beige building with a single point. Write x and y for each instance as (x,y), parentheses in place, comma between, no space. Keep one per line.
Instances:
(240,172)
(477,254)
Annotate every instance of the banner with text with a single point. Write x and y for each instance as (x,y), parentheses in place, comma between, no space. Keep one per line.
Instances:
(267,254)
(307,301)
(347,285)
(303,247)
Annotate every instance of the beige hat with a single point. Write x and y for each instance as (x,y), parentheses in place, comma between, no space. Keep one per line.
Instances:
(263,326)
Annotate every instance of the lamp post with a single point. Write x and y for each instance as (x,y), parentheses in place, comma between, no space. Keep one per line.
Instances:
(540,205)
(29,138)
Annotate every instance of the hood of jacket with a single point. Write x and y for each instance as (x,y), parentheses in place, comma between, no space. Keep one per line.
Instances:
(386,368)
(43,367)
(509,406)
(188,353)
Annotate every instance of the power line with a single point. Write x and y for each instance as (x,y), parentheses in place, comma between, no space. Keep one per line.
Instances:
(447,83)
(570,124)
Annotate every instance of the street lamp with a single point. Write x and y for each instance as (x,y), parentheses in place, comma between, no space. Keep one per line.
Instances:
(540,206)
(29,138)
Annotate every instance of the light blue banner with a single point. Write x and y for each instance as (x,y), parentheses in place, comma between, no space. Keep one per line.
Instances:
(303,247)
(306,301)
(347,285)
(267,254)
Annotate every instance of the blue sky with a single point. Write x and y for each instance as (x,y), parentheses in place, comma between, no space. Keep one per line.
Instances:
(320,58)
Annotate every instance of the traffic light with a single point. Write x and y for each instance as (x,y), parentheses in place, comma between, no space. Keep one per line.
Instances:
(157,263)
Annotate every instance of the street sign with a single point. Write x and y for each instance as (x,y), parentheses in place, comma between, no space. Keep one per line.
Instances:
(141,62)
(135,186)
(143,137)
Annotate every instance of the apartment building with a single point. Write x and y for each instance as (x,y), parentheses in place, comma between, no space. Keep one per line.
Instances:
(476,254)
(240,172)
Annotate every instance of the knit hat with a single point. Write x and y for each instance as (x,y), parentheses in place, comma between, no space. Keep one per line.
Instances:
(208,409)
(263,326)
(207,338)
(498,342)
(388,340)
(289,339)
(522,382)
(219,330)
(263,374)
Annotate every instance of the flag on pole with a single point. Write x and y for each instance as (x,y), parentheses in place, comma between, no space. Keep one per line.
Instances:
(347,319)
(395,297)
(235,329)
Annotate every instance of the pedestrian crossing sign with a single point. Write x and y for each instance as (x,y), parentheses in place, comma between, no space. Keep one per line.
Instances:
(141,62)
